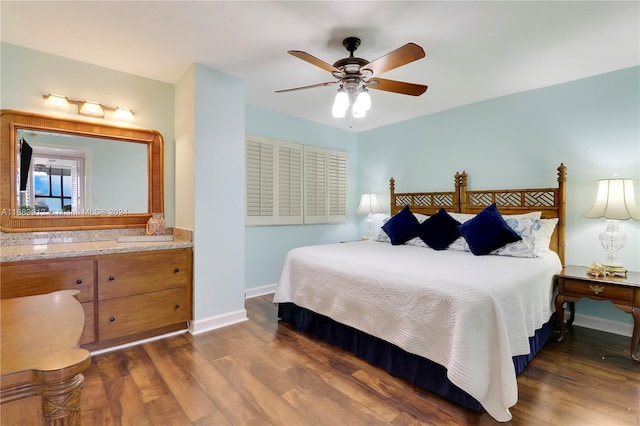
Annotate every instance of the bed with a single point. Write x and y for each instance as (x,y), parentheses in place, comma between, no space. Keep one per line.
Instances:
(459,324)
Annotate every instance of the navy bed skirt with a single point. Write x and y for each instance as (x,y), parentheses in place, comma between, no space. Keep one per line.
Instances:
(397,362)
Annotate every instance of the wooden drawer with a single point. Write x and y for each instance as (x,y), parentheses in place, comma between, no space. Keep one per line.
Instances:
(128,274)
(603,291)
(29,278)
(134,314)
(89,331)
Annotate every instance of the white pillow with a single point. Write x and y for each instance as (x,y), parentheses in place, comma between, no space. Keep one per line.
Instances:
(545,231)
(421,217)
(524,224)
(462,217)
(384,238)
(528,245)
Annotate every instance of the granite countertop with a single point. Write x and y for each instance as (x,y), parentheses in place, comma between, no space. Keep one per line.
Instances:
(73,246)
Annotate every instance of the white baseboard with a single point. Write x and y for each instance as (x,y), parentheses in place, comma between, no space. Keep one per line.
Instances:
(219,321)
(137,342)
(260,291)
(601,324)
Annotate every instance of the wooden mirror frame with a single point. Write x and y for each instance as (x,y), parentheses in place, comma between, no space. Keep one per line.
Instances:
(12,221)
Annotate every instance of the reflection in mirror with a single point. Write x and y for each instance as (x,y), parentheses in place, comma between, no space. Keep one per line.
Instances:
(76,173)
(69,174)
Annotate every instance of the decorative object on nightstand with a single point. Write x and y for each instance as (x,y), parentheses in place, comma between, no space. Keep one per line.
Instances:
(369,205)
(615,201)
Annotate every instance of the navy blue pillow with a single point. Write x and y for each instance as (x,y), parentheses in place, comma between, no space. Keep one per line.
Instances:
(402,227)
(439,230)
(487,231)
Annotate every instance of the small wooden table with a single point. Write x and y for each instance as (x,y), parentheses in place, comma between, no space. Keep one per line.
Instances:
(574,283)
(40,359)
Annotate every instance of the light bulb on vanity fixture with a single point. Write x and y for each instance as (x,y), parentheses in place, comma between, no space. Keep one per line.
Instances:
(369,205)
(91,109)
(88,108)
(56,101)
(615,201)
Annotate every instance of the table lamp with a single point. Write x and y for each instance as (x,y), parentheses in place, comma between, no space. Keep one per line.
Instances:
(369,205)
(615,201)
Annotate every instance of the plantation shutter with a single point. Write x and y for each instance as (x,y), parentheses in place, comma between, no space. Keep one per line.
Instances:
(337,186)
(260,183)
(74,186)
(289,183)
(274,182)
(289,195)
(315,185)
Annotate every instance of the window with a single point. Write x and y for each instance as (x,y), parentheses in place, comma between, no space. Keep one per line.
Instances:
(56,180)
(290,183)
(52,188)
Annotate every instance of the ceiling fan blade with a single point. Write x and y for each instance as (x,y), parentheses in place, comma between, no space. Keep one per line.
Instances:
(326,83)
(396,86)
(314,61)
(401,56)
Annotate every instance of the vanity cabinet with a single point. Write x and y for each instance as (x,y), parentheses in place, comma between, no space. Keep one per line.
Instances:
(157,283)
(125,296)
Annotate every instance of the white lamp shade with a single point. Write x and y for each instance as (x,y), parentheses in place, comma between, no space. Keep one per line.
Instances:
(615,200)
(369,204)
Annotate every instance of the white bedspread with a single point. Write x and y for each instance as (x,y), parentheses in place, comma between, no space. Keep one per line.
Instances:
(470,314)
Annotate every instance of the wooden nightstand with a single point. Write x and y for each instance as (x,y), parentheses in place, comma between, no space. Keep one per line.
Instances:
(574,283)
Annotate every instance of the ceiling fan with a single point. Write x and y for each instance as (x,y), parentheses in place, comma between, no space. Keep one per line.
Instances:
(356,75)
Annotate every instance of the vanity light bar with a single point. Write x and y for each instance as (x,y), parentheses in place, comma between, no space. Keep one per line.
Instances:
(89,108)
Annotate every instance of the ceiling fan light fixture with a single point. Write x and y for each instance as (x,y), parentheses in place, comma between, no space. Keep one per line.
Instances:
(358,111)
(364,99)
(338,112)
(340,103)
(356,75)
(342,99)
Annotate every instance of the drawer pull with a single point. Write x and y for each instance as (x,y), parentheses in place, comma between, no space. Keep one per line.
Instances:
(596,288)
(111,278)
(177,306)
(78,281)
(112,319)
(176,270)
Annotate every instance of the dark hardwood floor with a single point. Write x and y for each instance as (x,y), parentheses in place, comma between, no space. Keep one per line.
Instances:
(260,372)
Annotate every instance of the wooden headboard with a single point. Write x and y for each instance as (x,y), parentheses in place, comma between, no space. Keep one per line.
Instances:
(550,201)
(428,202)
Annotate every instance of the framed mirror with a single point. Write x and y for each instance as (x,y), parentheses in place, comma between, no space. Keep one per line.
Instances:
(65,174)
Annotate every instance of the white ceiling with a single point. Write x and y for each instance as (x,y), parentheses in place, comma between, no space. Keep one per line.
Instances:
(476,50)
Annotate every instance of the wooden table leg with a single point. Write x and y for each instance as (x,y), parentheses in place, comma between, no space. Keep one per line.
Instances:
(560,315)
(635,337)
(61,401)
(572,312)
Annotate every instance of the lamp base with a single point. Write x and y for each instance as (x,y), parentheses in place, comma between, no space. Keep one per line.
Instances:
(370,228)
(612,241)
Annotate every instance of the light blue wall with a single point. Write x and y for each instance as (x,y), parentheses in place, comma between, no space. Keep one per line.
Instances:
(592,125)
(266,246)
(218,256)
